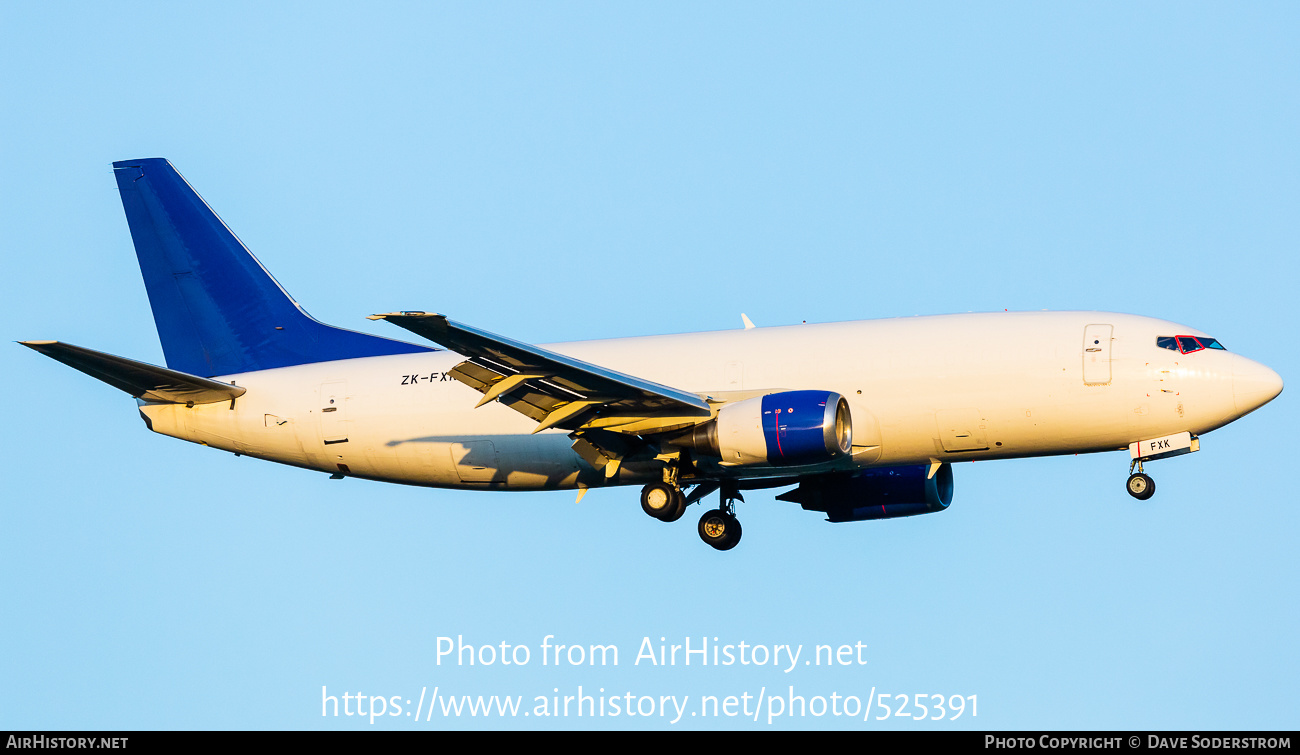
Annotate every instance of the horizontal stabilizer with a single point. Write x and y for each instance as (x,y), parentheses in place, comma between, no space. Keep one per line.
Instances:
(143,381)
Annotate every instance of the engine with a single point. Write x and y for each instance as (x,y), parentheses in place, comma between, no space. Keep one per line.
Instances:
(782,429)
(880,493)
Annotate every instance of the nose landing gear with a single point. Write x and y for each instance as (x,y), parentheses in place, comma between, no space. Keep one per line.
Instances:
(1140,485)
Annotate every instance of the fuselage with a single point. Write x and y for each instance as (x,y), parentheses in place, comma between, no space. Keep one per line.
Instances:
(921,389)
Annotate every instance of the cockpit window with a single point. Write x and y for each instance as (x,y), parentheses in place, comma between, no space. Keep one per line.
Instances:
(1188,344)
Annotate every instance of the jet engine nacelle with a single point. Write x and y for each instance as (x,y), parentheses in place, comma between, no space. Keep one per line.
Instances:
(784,429)
(879,493)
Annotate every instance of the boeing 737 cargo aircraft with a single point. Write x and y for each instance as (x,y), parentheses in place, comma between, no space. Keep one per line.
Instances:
(862,420)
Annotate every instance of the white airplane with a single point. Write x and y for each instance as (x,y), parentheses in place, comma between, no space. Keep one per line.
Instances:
(864,418)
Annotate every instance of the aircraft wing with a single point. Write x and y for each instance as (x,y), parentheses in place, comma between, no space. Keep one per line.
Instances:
(553,389)
(141,380)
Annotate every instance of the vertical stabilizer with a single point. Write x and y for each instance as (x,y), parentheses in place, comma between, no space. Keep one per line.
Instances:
(218,311)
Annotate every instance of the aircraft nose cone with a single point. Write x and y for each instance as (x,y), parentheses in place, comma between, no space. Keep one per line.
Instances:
(1253,385)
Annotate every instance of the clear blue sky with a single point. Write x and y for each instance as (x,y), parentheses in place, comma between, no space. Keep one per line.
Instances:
(566,171)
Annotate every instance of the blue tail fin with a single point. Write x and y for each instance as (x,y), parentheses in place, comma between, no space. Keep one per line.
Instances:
(218,311)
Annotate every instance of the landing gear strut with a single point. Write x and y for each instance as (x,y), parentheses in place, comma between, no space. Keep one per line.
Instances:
(1140,485)
(720,528)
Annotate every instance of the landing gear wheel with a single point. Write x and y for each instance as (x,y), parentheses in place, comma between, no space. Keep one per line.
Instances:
(720,529)
(1141,486)
(678,509)
(663,501)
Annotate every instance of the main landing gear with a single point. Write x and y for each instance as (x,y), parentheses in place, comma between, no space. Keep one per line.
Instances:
(663,501)
(719,528)
(1140,485)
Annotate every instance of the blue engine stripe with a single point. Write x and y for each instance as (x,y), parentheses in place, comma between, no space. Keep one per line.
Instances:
(793,427)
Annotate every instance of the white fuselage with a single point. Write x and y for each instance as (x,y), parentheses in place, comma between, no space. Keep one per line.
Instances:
(921,389)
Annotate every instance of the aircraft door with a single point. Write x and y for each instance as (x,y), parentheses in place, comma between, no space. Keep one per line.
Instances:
(1096,354)
(333,408)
